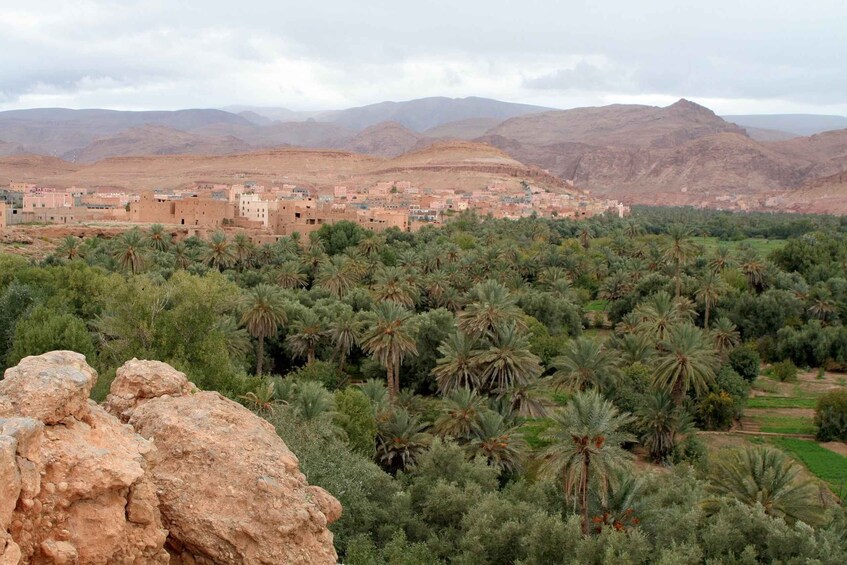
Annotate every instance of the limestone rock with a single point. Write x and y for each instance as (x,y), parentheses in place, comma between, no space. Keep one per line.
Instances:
(137,381)
(48,387)
(68,471)
(230,491)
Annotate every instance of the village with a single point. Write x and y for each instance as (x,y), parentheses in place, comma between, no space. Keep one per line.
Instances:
(268,212)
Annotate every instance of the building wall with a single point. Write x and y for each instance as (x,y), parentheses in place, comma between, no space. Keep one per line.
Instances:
(48,200)
(3,220)
(198,211)
(152,210)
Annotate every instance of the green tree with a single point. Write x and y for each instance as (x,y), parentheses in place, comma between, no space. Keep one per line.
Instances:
(492,307)
(459,411)
(709,291)
(498,441)
(457,368)
(687,361)
(306,333)
(219,253)
(290,275)
(586,437)
(401,439)
(767,477)
(129,251)
(157,238)
(45,329)
(678,251)
(663,425)
(389,340)
(586,363)
(353,414)
(264,313)
(508,362)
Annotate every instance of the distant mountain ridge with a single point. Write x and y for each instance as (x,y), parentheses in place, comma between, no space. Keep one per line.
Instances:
(797,124)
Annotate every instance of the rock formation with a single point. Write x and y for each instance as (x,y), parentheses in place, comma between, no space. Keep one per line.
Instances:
(202,481)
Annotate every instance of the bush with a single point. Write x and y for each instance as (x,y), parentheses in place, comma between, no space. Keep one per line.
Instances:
(784,371)
(324,372)
(831,416)
(717,411)
(355,417)
(746,362)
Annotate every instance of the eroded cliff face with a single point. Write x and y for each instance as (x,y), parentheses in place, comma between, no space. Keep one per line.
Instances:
(163,474)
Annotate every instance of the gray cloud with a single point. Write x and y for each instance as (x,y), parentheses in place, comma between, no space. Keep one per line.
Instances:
(334,53)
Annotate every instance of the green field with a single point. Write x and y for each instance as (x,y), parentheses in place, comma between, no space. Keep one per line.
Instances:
(781,424)
(761,246)
(596,305)
(828,466)
(781,402)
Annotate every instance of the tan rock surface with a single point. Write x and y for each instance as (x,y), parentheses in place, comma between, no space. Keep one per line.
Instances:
(230,491)
(69,470)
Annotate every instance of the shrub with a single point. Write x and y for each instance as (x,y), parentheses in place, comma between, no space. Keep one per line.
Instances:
(717,411)
(355,417)
(784,371)
(746,362)
(831,416)
(324,372)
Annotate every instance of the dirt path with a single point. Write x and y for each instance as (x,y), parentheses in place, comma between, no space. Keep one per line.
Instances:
(836,446)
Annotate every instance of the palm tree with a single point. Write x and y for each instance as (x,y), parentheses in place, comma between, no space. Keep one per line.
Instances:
(344,332)
(376,393)
(290,275)
(686,361)
(71,248)
(307,332)
(498,441)
(334,276)
(237,339)
(392,285)
(130,251)
(312,401)
(585,236)
(459,411)
(457,367)
(663,425)
(264,313)
(263,400)
(721,261)
(219,254)
(822,306)
(586,435)
(677,252)
(183,255)
(389,340)
(586,363)
(619,506)
(725,336)
(766,477)
(157,237)
(492,307)
(754,269)
(508,362)
(401,440)
(243,250)
(709,292)
(635,348)
(660,312)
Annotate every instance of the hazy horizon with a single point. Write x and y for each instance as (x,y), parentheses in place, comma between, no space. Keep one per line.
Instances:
(735,58)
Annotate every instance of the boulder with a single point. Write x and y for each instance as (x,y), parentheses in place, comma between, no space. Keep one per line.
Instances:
(68,471)
(230,491)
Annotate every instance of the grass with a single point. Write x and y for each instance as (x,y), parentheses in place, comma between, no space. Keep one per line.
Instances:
(781,402)
(827,465)
(533,432)
(596,306)
(781,424)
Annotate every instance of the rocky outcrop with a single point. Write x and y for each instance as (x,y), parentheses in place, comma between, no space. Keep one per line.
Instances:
(230,491)
(74,486)
(200,479)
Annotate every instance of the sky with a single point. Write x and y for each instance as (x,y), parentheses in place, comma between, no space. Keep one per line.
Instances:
(736,57)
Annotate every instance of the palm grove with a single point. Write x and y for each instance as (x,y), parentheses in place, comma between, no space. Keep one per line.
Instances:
(480,392)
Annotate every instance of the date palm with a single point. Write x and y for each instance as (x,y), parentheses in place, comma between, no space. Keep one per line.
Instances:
(687,361)
(334,276)
(721,261)
(459,411)
(344,332)
(183,255)
(243,250)
(508,362)
(587,435)
(767,477)
(725,336)
(219,254)
(307,332)
(129,251)
(290,275)
(389,340)
(754,269)
(659,313)
(586,363)
(457,368)
(401,439)
(492,307)
(709,291)
(635,348)
(392,285)
(498,440)
(264,313)
(71,248)
(157,238)
(663,425)
(677,252)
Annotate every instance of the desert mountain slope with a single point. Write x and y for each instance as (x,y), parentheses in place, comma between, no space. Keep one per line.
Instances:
(157,140)
(798,124)
(387,139)
(463,129)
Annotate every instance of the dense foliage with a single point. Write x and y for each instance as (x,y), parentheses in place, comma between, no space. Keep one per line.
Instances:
(476,393)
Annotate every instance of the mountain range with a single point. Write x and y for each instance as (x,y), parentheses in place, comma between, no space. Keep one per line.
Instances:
(680,154)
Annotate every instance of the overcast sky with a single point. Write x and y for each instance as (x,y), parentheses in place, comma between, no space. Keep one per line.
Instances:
(740,56)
